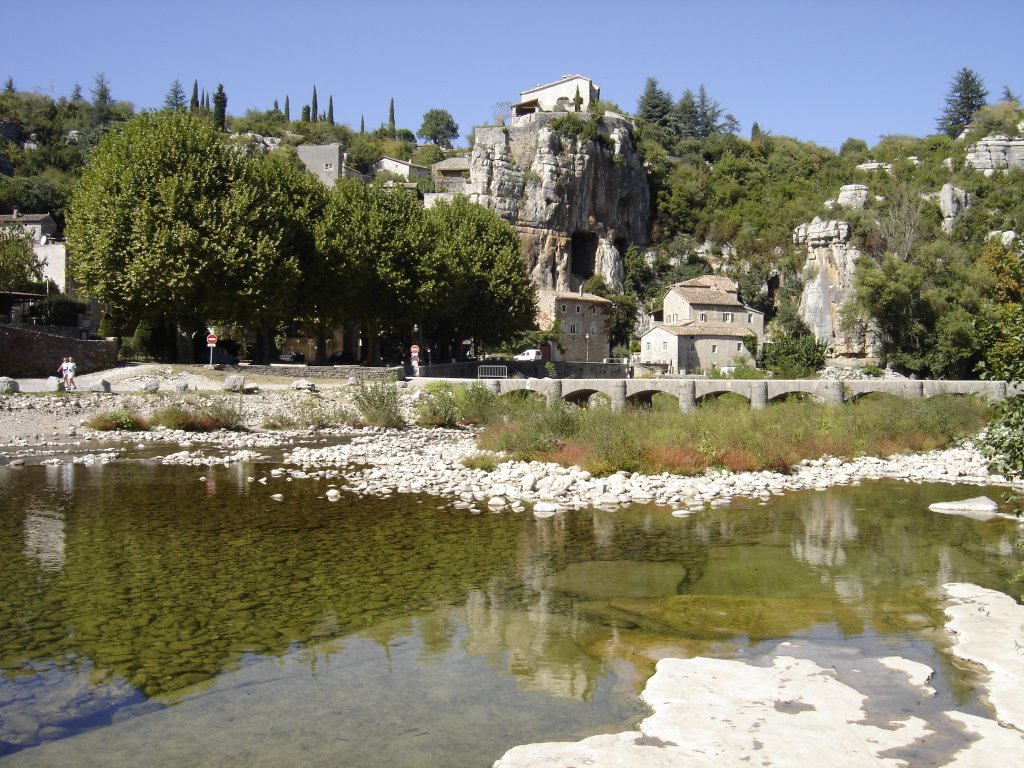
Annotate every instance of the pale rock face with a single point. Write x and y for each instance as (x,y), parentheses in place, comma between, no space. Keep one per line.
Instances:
(552,188)
(996,153)
(953,201)
(828,274)
(853,196)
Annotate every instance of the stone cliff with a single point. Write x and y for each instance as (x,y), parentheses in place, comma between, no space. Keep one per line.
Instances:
(828,283)
(576,204)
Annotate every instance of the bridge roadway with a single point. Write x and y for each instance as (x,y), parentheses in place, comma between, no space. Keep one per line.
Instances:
(760,392)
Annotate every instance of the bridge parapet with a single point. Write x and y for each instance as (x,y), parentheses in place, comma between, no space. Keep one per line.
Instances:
(758,391)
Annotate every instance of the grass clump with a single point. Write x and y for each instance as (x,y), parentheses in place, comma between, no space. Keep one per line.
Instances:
(190,418)
(121,418)
(315,414)
(448,406)
(727,433)
(379,405)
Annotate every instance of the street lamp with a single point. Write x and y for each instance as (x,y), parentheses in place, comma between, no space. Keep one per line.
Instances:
(587,337)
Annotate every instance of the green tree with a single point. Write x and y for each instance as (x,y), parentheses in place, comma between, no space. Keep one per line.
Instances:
(472,281)
(313,114)
(655,105)
(101,101)
(220,107)
(193,105)
(391,118)
(9,85)
(18,263)
(170,221)
(966,96)
(306,114)
(287,110)
(439,128)
(330,109)
(175,98)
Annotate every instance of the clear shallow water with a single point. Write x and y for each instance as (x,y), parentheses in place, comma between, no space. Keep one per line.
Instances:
(152,618)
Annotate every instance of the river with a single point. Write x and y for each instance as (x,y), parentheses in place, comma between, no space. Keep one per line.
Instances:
(167,616)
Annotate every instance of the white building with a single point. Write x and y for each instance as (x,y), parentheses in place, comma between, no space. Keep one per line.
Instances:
(558,96)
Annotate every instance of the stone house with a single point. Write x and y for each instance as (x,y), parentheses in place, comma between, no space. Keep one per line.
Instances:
(583,322)
(703,327)
(50,253)
(558,96)
(327,162)
(451,175)
(402,168)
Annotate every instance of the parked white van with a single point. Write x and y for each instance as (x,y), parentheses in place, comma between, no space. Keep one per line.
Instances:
(529,354)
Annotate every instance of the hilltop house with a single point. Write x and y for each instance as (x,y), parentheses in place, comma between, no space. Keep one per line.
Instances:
(583,321)
(704,325)
(558,96)
(327,162)
(401,168)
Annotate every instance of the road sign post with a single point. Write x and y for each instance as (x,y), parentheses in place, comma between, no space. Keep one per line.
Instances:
(211,342)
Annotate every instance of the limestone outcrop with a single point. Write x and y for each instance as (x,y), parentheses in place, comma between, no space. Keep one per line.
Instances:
(576,204)
(952,201)
(996,153)
(828,284)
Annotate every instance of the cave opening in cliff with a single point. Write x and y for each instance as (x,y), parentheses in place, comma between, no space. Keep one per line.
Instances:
(584,255)
(621,245)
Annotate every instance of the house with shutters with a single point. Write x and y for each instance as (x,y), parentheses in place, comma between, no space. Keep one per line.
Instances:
(583,323)
(704,326)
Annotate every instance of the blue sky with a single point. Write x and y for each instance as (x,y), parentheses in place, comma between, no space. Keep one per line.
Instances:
(818,71)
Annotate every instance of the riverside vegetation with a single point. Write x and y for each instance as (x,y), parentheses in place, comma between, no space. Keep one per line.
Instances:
(724,434)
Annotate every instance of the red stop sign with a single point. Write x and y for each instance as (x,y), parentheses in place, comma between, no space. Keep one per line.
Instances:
(415,349)
(211,340)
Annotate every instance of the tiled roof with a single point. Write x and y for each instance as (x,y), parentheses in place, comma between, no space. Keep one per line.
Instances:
(460,163)
(706,329)
(709,296)
(24,218)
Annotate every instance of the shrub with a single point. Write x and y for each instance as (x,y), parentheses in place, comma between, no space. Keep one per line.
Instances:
(438,408)
(209,418)
(379,405)
(315,414)
(121,418)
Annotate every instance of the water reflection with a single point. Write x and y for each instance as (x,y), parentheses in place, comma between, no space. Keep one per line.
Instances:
(134,586)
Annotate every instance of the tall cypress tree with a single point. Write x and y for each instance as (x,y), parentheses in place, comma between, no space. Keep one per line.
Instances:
(220,107)
(330,109)
(305,113)
(391,119)
(313,107)
(362,126)
(193,105)
(277,109)
(287,110)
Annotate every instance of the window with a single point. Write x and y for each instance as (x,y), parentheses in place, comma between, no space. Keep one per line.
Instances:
(563,309)
(727,317)
(593,310)
(578,309)
(703,317)
(664,345)
(328,166)
(648,346)
(693,346)
(714,348)
(739,346)
(750,317)
(574,328)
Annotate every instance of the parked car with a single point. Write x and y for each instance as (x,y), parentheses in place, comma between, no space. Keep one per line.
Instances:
(531,355)
(291,356)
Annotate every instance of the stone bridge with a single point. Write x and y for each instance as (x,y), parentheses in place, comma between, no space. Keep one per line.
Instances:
(760,392)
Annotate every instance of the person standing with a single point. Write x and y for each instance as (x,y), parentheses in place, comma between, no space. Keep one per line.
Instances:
(62,370)
(69,376)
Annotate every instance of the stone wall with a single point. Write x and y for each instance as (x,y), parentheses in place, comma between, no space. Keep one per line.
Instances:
(26,353)
(358,372)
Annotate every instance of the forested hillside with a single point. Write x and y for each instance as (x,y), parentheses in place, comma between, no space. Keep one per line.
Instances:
(932,289)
